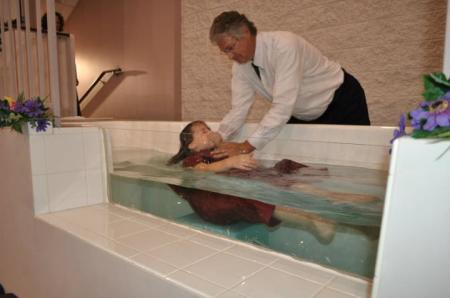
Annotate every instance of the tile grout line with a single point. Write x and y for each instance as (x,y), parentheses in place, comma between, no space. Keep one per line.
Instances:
(149,229)
(148,253)
(46,174)
(303,277)
(70,222)
(265,266)
(184,285)
(136,231)
(103,164)
(87,240)
(182,268)
(134,219)
(325,286)
(198,260)
(86,183)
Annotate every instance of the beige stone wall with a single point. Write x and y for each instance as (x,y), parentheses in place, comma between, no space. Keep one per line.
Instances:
(386,44)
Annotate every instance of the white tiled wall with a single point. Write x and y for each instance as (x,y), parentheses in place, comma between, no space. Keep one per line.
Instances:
(68,168)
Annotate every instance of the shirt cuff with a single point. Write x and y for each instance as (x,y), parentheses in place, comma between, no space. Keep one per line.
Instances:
(258,143)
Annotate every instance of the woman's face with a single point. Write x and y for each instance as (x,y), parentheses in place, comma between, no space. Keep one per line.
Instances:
(200,139)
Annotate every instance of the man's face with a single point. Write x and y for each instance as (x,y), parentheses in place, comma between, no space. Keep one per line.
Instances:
(240,49)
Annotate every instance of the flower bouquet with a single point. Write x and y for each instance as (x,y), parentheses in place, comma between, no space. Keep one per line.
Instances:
(431,119)
(16,113)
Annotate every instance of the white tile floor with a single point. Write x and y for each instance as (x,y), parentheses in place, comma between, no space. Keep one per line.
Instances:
(210,265)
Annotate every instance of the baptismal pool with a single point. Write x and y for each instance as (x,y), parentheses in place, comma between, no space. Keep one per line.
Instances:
(349,199)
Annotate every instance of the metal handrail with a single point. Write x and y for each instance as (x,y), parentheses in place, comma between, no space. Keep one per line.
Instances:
(115,71)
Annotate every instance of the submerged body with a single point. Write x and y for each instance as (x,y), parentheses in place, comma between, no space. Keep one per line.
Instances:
(222,209)
(225,209)
(196,153)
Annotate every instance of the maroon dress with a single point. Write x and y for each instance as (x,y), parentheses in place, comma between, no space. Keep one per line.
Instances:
(225,209)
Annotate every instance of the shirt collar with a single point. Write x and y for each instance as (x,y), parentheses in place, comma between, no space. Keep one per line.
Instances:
(258,58)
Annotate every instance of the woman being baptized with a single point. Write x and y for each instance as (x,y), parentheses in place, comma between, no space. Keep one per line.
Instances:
(195,152)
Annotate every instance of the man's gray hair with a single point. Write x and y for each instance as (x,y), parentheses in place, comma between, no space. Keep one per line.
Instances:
(230,22)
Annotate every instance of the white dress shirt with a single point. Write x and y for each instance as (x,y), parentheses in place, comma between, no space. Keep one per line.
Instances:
(295,77)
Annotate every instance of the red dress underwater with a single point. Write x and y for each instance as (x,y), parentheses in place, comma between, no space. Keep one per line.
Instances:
(225,209)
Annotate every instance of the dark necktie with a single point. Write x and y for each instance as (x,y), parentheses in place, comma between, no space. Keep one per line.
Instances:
(256,70)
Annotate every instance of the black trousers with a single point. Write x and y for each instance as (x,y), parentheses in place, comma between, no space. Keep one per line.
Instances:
(348,106)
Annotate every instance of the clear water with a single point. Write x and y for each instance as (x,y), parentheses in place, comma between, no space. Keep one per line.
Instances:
(139,180)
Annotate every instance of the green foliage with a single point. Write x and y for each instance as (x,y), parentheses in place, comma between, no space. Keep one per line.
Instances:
(436,85)
(431,119)
(440,132)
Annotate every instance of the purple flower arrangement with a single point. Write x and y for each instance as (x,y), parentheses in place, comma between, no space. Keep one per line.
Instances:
(431,119)
(15,113)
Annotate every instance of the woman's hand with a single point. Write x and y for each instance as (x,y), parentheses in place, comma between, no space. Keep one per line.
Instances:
(244,162)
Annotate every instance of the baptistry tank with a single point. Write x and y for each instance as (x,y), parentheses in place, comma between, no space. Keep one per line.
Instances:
(336,194)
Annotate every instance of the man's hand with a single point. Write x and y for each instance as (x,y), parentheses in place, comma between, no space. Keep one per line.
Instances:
(227,149)
(215,137)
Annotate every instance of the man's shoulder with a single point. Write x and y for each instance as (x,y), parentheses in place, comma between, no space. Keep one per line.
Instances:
(280,39)
(279,35)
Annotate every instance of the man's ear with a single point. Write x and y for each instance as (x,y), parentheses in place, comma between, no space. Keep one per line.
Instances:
(190,147)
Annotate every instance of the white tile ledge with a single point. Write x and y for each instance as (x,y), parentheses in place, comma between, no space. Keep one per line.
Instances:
(84,224)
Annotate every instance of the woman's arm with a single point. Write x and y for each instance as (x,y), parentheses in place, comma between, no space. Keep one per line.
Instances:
(226,149)
(243,162)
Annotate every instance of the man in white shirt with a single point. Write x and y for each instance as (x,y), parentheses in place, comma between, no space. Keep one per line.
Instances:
(302,84)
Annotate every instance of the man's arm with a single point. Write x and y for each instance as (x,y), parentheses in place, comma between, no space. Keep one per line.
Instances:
(242,98)
(288,76)
(288,64)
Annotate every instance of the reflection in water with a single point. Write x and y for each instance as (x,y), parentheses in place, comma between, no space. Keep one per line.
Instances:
(329,214)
